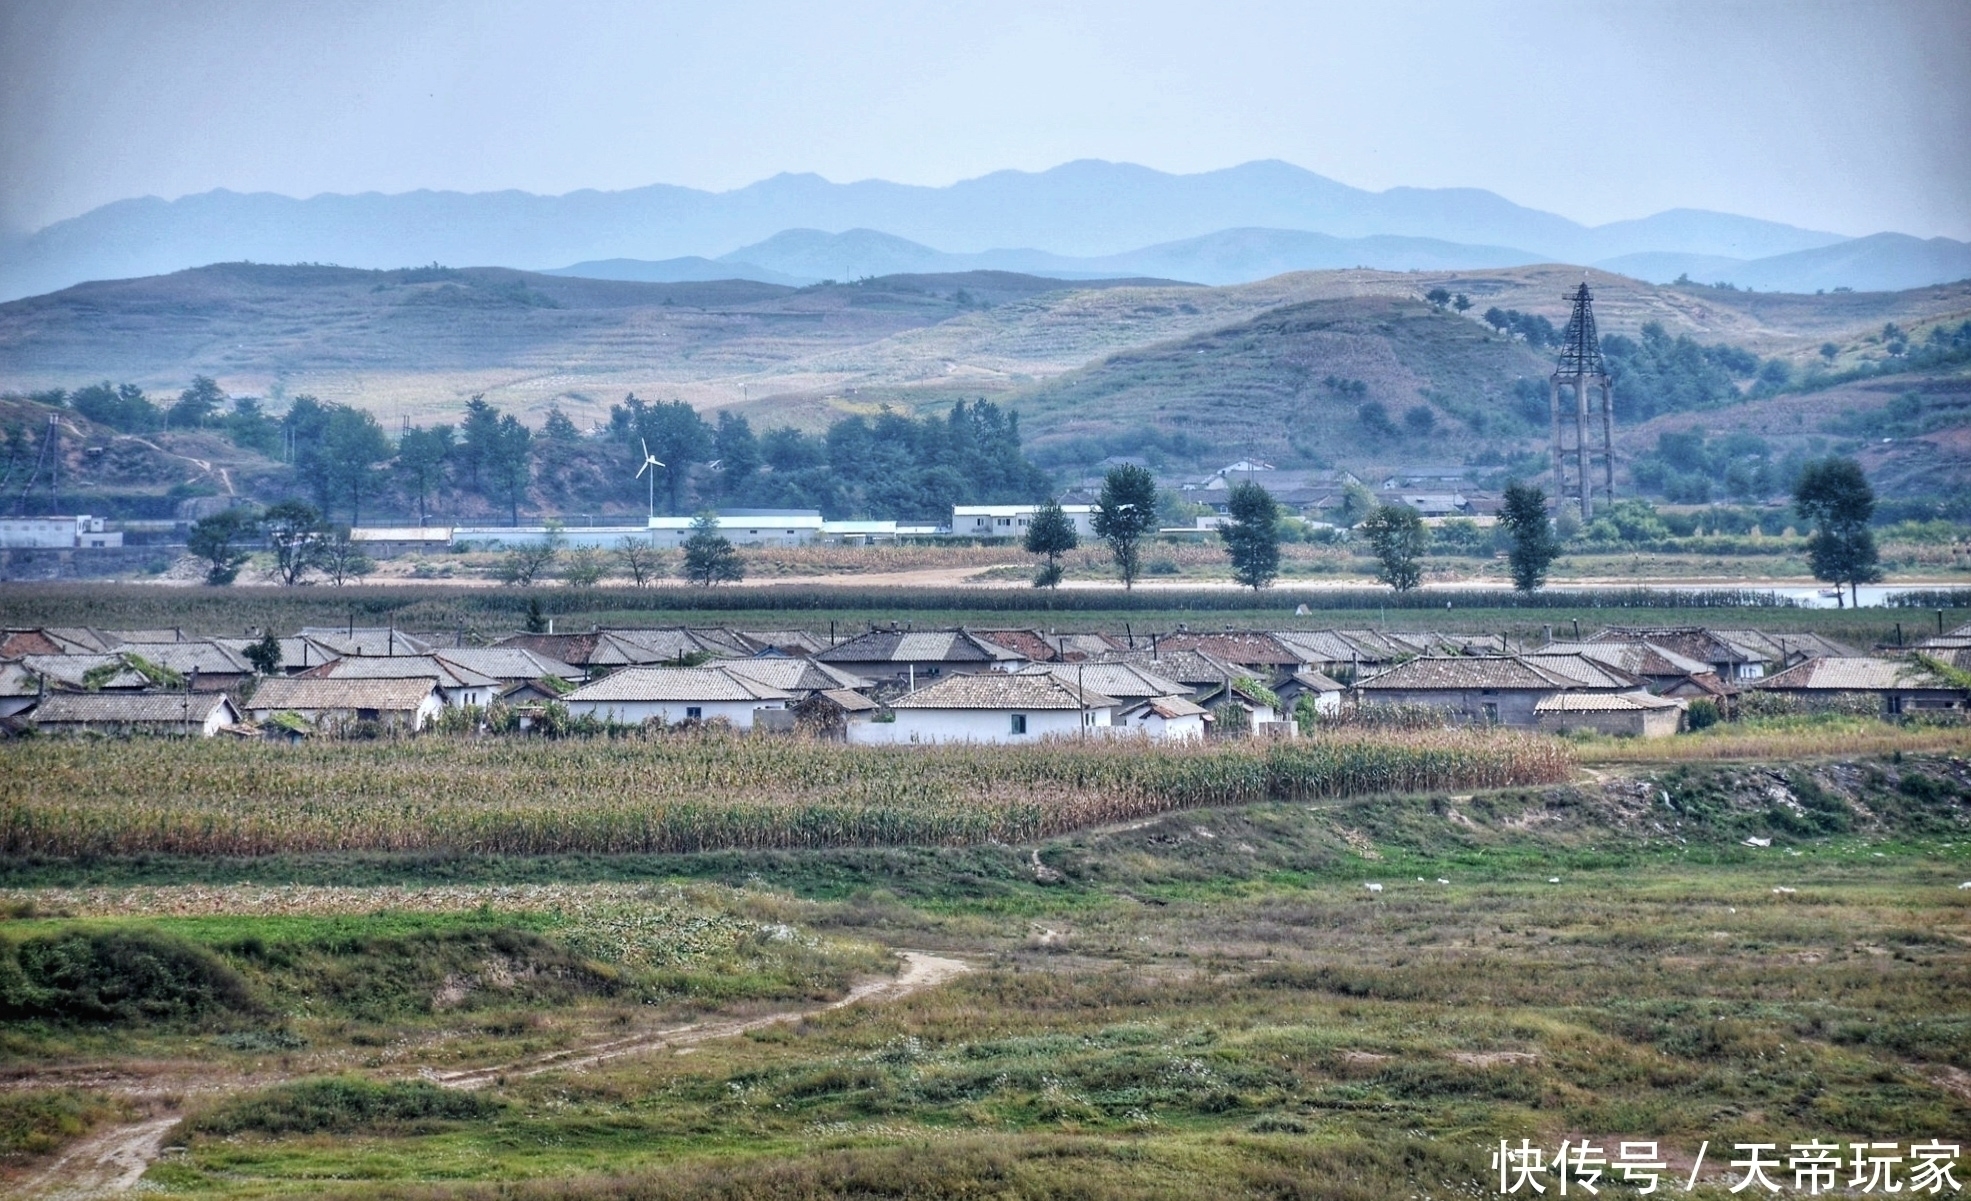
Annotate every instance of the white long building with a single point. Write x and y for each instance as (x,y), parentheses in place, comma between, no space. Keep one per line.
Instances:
(1011,521)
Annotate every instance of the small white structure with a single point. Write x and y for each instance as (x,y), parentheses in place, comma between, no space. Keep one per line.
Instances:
(1165,719)
(1011,521)
(81,532)
(992,707)
(165,714)
(675,694)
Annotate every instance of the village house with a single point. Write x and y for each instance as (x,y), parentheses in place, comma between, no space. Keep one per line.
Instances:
(1498,690)
(1246,708)
(992,707)
(207,664)
(1325,691)
(1900,686)
(1164,719)
(916,657)
(458,686)
(1200,672)
(674,695)
(1660,668)
(403,703)
(508,666)
(832,713)
(799,678)
(1126,682)
(1620,714)
(160,714)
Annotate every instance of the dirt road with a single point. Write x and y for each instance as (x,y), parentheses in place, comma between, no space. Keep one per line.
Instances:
(113,1160)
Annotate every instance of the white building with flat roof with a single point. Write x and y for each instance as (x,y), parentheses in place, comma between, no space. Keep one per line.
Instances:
(1011,521)
(80,532)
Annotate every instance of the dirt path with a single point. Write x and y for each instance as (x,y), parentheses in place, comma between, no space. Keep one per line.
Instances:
(110,1161)
(113,1160)
(920,972)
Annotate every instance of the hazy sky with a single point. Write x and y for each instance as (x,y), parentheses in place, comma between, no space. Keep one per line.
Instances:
(1851,117)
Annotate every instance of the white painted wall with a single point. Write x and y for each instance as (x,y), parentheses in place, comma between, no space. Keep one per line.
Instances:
(1173,729)
(979,725)
(739,713)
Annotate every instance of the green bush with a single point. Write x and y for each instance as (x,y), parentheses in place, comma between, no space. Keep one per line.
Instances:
(1702,713)
(117,976)
(342,1104)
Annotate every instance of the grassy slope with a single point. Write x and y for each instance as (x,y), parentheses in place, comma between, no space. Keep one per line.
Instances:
(1215,994)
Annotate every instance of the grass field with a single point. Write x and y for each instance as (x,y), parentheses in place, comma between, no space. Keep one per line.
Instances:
(1201,996)
(475,613)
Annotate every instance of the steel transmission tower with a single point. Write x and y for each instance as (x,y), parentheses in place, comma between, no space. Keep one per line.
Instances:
(1582,374)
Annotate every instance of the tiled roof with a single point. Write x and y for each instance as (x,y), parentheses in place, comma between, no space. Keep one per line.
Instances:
(1031,645)
(367,640)
(509,663)
(1851,674)
(789,641)
(1584,670)
(205,656)
(1194,669)
(1461,672)
(1775,647)
(68,670)
(1123,681)
(1000,690)
(402,667)
(849,702)
(1636,658)
(683,684)
(905,646)
(668,644)
(1601,702)
(794,675)
(128,708)
(1166,707)
(1249,648)
(310,693)
(1314,681)
(1696,642)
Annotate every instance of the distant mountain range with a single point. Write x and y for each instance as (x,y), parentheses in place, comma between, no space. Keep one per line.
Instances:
(1086,218)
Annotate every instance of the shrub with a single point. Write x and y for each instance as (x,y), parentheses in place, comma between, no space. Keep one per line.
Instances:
(1702,713)
(341,1105)
(117,976)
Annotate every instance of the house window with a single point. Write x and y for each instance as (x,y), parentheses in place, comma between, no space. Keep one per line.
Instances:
(1004,521)
(1491,714)
(1019,723)
(694,712)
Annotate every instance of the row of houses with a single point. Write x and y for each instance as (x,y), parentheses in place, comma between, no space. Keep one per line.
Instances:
(899,684)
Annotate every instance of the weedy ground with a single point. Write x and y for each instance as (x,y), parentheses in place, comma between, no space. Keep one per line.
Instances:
(1204,1000)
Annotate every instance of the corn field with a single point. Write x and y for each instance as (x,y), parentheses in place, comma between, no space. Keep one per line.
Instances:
(69,799)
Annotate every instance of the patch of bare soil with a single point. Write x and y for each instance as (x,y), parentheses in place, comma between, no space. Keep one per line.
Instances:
(113,1160)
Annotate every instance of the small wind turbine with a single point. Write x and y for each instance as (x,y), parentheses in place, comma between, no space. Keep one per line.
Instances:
(649,461)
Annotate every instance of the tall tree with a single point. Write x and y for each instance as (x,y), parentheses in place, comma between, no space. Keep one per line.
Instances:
(217,538)
(1051,534)
(265,655)
(1397,535)
(1253,535)
(1834,494)
(511,462)
(708,557)
(479,434)
(421,458)
(352,445)
(676,434)
(738,451)
(1534,547)
(196,404)
(341,559)
(294,529)
(1125,512)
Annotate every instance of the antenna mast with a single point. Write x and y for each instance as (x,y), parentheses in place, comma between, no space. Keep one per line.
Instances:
(1583,374)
